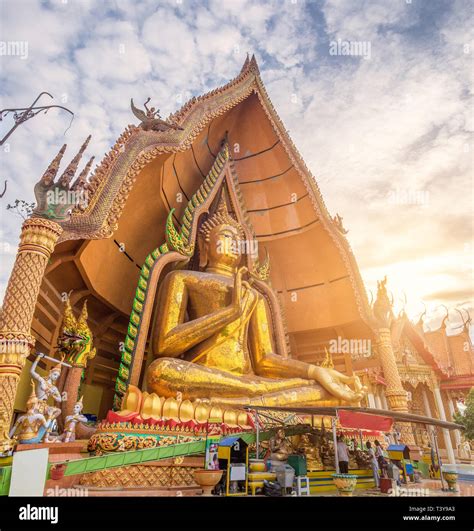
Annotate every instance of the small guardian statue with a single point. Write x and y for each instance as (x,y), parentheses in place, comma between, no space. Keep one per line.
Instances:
(46,388)
(69,434)
(33,426)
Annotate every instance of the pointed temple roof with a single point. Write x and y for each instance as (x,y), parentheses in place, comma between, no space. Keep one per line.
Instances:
(450,356)
(454,353)
(147,173)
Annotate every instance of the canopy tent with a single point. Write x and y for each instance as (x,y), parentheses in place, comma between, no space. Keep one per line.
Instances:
(359,416)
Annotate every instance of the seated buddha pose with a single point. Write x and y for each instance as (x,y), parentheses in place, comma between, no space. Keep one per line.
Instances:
(213,340)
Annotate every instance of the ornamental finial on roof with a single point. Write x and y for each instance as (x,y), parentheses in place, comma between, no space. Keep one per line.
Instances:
(150,120)
(246,64)
(382,307)
(465,323)
(420,321)
(254,65)
(446,317)
(338,222)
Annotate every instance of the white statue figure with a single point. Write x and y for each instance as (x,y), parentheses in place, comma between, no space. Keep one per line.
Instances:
(69,434)
(46,388)
(464,450)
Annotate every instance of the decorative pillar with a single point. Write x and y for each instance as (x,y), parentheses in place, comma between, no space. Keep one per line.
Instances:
(452,410)
(37,241)
(370,400)
(442,414)
(426,403)
(396,395)
(378,402)
(384,399)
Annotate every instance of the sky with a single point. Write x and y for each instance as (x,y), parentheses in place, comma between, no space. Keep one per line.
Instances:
(376,94)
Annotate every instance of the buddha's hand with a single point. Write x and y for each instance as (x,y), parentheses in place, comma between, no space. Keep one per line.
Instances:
(338,384)
(237,294)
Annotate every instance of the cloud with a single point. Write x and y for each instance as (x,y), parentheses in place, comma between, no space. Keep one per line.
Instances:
(373,131)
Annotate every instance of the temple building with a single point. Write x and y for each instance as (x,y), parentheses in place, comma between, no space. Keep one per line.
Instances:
(105,254)
(435,381)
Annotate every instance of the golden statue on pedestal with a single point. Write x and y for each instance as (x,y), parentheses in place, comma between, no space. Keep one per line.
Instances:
(213,337)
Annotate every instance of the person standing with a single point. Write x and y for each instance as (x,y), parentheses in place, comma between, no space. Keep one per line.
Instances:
(373,463)
(342,455)
(380,458)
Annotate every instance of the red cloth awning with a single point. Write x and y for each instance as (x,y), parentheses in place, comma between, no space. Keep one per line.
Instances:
(355,419)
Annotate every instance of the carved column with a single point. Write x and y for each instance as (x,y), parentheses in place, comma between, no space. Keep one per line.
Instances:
(442,414)
(370,399)
(384,400)
(378,401)
(452,411)
(396,395)
(426,403)
(37,241)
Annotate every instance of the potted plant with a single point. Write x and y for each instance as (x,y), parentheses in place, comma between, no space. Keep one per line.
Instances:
(345,483)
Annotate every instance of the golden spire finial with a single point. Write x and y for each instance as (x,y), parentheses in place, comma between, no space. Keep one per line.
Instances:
(32,398)
(84,315)
(33,390)
(58,367)
(68,319)
(328,362)
(220,217)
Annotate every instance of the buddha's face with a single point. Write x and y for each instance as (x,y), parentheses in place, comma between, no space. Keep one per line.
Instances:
(224,246)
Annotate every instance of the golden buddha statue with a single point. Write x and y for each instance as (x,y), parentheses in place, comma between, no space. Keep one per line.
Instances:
(212,336)
(307,445)
(280,446)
